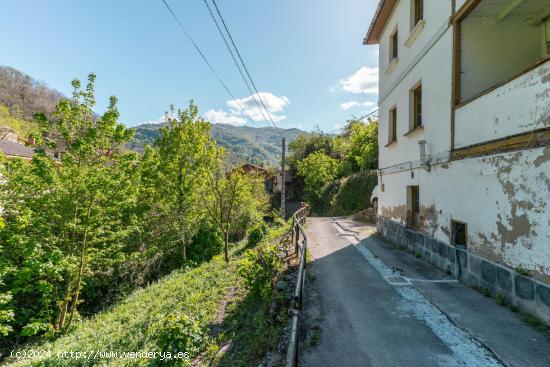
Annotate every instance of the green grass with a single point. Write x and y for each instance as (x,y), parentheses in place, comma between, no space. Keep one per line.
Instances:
(20,126)
(136,323)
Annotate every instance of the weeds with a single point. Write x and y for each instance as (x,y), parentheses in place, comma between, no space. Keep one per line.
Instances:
(536,323)
(522,271)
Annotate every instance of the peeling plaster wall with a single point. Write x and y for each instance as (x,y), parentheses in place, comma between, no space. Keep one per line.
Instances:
(516,107)
(504,199)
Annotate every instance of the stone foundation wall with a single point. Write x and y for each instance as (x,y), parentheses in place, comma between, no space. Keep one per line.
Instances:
(521,291)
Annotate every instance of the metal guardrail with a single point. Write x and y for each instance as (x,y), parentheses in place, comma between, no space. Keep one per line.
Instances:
(298,221)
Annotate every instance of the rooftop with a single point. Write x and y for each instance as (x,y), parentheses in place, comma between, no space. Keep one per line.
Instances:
(12,149)
(381,15)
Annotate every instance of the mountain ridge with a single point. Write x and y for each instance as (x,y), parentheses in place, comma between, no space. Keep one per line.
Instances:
(258,145)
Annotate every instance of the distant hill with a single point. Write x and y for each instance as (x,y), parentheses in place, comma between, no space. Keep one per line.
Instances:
(242,143)
(21,97)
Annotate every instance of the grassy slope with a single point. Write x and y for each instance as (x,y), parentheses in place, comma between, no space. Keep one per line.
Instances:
(134,324)
(20,126)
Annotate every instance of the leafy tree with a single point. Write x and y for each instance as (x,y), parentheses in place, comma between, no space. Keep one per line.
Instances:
(306,144)
(186,154)
(317,170)
(64,218)
(362,150)
(235,200)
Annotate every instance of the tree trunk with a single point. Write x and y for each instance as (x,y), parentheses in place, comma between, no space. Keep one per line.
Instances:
(78,286)
(80,267)
(184,248)
(65,305)
(226,246)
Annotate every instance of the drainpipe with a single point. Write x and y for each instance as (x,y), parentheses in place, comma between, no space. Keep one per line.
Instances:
(424,158)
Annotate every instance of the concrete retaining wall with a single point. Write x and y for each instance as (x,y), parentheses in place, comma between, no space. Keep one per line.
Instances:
(521,291)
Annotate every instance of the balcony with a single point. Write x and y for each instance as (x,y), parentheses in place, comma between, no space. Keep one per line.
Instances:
(502,70)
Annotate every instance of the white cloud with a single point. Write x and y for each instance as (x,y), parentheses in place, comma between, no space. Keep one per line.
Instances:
(364,80)
(223,117)
(160,120)
(272,103)
(351,104)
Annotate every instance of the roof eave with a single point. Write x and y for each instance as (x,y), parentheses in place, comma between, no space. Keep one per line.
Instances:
(381,16)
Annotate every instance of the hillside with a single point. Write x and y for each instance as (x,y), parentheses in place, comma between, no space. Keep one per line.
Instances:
(242,143)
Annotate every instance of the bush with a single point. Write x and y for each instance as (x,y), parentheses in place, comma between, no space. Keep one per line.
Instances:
(206,244)
(257,234)
(259,268)
(180,333)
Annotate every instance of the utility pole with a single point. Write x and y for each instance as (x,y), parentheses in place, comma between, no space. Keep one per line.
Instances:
(283,182)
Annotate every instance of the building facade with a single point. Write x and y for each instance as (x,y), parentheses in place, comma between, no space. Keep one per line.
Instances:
(464,136)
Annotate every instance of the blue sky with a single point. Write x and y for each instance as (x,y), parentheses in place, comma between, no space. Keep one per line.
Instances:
(306,56)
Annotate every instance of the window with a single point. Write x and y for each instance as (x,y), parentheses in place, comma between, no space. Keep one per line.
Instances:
(417,106)
(413,201)
(458,232)
(392,133)
(393,46)
(418,11)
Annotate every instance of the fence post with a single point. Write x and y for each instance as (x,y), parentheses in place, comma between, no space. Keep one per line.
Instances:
(296,247)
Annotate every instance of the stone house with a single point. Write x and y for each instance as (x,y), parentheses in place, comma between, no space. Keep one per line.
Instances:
(464,166)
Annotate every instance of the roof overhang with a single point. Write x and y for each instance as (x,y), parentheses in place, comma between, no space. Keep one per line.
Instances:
(378,22)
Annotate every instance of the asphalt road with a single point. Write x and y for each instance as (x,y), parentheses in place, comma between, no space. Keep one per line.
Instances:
(358,311)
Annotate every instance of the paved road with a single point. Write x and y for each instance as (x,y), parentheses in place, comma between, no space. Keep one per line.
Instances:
(369,316)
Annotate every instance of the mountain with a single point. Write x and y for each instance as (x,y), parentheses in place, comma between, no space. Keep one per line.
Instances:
(242,143)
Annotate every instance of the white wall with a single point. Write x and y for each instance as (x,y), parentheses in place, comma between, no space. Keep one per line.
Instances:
(516,107)
(433,70)
(436,13)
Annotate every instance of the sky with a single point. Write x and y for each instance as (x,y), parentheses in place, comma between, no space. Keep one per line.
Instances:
(306,57)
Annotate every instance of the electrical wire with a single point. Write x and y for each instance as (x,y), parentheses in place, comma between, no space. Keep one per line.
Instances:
(246,82)
(205,59)
(244,65)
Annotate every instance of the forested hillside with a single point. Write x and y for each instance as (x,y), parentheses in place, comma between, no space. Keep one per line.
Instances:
(241,143)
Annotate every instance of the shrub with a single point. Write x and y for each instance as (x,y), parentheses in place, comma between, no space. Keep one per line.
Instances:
(180,333)
(259,268)
(257,234)
(206,244)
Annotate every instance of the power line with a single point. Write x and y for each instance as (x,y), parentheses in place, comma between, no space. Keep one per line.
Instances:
(234,58)
(205,58)
(244,65)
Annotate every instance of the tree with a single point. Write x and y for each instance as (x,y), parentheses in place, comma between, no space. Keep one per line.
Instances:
(63,218)
(235,199)
(362,151)
(317,170)
(186,154)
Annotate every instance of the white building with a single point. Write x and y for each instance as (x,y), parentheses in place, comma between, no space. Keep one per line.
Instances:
(464,108)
